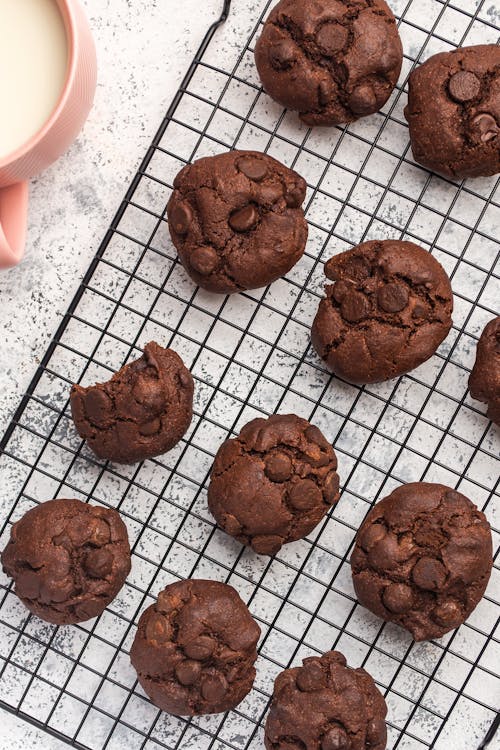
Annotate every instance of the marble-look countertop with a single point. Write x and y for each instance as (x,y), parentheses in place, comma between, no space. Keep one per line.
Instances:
(144,48)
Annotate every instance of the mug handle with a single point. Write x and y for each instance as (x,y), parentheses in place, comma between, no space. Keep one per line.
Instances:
(13,223)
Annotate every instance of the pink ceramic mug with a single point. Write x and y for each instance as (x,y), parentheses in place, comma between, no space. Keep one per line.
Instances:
(53,139)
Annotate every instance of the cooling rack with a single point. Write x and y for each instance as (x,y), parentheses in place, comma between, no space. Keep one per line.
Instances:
(250,355)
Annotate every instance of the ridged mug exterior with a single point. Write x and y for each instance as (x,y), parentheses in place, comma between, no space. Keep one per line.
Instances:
(56,136)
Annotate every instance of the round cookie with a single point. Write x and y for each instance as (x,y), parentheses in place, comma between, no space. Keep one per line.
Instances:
(142,412)
(422,559)
(68,559)
(274,482)
(333,61)
(387,312)
(195,648)
(460,90)
(484,381)
(326,705)
(236,220)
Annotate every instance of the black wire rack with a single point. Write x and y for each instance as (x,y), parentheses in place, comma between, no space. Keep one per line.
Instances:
(250,355)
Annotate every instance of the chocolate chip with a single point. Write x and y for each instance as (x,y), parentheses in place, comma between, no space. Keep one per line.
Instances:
(278,467)
(311,677)
(331,487)
(214,687)
(204,260)
(448,613)
(363,100)
(158,629)
(201,648)
(429,574)
(331,38)
(419,310)
(98,562)
(486,126)
(149,393)
(97,406)
(354,307)
(393,297)
(464,86)
(294,197)
(99,532)
(371,535)
(188,672)
(385,553)
(253,168)
(304,495)
(282,54)
(269,194)
(181,217)
(335,738)
(244,219)
(78,530)
(150,428)
(398,597)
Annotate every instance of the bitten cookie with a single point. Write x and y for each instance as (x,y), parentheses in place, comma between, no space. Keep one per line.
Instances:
(274,482)
(68,559)
(195,648)
(331,60)
(454,112)
(422,559)
(484,381)
(326,705)
(387,312)
(236,220)
(142,412)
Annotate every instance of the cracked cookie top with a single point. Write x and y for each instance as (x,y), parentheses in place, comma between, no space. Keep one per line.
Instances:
(422,559)
(453,112)
(387,312)
(274,482)
(68,559)
(143,411)
(484,381)
(236,220)
(333,61)
(326,705)
(195,648)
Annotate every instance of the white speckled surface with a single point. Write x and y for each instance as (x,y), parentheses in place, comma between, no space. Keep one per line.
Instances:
(422,426)
(144,48)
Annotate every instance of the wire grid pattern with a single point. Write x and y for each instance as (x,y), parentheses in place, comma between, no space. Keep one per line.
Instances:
(250,355)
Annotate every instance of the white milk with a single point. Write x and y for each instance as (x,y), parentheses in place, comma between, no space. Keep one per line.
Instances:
(33,65)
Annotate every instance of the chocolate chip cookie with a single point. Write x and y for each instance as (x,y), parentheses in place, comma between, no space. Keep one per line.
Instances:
(274,482)
(333,61)
(326,705)
(195,648)
(142,412)
(236,220)
(422,559)
(454,112)
(387,312)
(484,381)
(68,559)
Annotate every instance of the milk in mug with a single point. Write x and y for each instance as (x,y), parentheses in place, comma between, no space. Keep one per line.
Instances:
(33,67)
